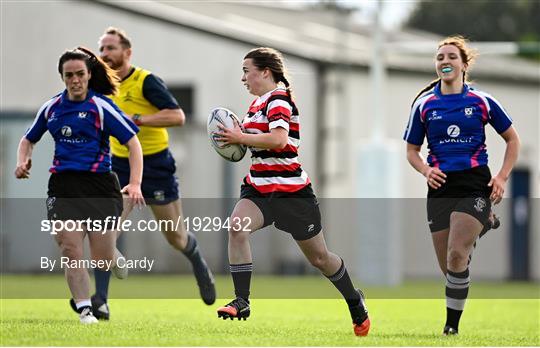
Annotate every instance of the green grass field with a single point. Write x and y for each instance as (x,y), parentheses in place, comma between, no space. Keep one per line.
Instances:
(274,322)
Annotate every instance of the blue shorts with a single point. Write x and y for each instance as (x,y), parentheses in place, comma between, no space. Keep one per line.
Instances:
(159,182)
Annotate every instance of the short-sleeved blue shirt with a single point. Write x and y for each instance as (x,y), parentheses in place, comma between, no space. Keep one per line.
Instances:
(81,130)
(454,125)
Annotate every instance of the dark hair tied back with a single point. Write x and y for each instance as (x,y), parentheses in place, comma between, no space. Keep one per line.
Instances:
(92,59)
(103,79)
(285,81)
(272,59)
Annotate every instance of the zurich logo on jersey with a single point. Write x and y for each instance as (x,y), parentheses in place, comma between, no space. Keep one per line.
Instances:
(66,131)
(453,131)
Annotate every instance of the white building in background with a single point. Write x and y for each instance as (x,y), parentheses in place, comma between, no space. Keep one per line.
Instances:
(197,48)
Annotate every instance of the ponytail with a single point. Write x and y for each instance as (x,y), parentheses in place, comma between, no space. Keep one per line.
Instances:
(431,85)
(467,54)
(287,85)
(266,57)
(103,79)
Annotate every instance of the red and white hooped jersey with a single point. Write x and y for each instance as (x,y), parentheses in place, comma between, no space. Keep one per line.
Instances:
(276,170)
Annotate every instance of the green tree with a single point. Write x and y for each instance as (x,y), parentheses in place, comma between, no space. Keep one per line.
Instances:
(482,20)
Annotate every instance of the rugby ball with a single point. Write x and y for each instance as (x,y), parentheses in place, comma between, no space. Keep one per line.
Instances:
(226,118)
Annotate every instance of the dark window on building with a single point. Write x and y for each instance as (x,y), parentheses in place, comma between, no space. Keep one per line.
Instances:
(185,95)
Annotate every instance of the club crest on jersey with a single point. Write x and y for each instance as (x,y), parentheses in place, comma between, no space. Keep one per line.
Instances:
(159,195)
(256,116)
(453,131)
(469,111)
(82,114)
(479,204)
(66,131)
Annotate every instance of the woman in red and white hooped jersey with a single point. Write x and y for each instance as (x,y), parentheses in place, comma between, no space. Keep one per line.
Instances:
(277,190)
(275,169)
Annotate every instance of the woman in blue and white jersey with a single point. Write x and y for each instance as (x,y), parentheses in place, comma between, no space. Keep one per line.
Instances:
(82,186)
(452,116)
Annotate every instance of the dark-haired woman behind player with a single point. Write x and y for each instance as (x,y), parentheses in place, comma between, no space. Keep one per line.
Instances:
(81,185)
(277,190)
(452,116)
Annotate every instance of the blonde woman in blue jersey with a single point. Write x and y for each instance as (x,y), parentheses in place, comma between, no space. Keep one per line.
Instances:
(81,185)
(452,116)
(145,98)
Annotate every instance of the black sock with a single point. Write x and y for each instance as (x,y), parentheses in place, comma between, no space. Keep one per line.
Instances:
(457,290)
(102,283)
(241,275)
(343,283)
(452,317)
(191,251)
(191,246)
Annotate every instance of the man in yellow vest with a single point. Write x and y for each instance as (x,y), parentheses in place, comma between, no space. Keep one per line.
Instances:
(145,98)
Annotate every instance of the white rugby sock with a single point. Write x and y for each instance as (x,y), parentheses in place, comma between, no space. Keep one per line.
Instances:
(83,303)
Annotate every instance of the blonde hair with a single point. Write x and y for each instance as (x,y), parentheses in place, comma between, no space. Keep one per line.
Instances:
(125,41)
(467,54)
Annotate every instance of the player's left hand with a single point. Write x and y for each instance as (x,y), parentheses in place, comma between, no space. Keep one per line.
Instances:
(230,135)
(497,185)
(134,193)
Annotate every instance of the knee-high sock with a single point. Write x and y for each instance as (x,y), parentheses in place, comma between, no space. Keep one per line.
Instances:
(343,283)
(102,283)
(241,275)
(457,290)
(191,251)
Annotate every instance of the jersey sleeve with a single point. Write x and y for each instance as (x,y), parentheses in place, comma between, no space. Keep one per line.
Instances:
(39,126)
(279,114)
(498,117)
(116,123)
(157,93)
(415,131)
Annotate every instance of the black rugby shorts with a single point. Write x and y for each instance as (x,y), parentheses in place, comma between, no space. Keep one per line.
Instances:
(464,191)
(296,213)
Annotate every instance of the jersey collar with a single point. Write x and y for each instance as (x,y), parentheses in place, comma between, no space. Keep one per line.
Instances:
(131,71)
(267,94)
(463,93)
(65,98)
